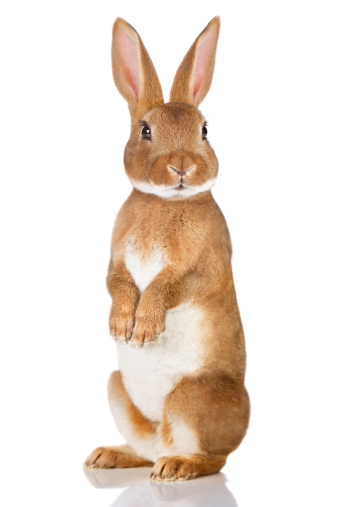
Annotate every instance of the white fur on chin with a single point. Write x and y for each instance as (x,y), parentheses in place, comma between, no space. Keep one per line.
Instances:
(164,191)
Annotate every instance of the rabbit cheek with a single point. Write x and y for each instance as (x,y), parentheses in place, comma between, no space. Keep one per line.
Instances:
(200,175)
(135,161)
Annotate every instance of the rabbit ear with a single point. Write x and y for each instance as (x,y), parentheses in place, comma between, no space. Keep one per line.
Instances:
(134,73)
(194,75)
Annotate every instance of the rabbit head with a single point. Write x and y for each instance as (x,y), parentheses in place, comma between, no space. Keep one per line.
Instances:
(168,153)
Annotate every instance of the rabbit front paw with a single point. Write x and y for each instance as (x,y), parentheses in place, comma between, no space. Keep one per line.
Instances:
(121,326)
(148,327)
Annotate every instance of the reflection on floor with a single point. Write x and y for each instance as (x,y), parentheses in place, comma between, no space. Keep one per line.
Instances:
(208,491)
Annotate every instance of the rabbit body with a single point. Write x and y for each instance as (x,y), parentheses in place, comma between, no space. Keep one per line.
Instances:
(157,235)
(178,398)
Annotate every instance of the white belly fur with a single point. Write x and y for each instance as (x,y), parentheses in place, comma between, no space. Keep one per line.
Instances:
(150,373)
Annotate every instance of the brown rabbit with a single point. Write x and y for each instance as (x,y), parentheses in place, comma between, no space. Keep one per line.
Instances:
(179,398)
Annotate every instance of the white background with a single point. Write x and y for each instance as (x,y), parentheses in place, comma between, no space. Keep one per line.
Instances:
(272,113)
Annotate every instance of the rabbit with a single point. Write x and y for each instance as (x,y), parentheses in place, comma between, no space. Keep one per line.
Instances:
(179,398)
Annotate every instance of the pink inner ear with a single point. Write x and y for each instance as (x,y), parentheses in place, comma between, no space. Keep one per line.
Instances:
(202,61)
(130,65)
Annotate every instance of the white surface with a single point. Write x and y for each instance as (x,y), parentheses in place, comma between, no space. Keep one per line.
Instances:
(272,113)
(139,491)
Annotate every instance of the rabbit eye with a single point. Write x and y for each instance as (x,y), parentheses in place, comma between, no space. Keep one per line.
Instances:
(204,132)
(145,132)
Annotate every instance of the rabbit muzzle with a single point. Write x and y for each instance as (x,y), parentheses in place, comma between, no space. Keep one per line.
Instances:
(179,170)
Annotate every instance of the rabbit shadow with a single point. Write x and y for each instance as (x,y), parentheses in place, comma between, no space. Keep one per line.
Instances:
(208,491)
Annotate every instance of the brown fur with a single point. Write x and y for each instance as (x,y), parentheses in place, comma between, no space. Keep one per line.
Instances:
(119,456)
(121,283)
(171,468)
(211,404)
(166,430)
(222,426)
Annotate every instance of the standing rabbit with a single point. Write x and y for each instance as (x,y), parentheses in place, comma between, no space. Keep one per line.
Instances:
(179,398)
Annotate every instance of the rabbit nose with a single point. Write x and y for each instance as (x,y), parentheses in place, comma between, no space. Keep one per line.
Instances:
(178,171)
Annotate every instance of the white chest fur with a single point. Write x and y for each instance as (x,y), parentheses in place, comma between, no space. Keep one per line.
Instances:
(143,270)
(149,374)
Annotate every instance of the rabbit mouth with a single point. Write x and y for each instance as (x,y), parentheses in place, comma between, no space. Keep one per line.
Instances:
(180,187)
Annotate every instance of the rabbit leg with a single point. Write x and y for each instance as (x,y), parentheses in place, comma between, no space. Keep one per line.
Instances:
(139,431)
(205,419)
(120,456)
(185,466)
